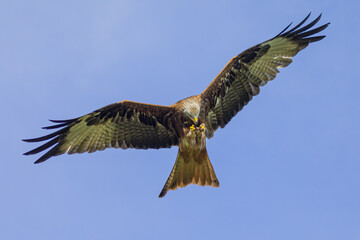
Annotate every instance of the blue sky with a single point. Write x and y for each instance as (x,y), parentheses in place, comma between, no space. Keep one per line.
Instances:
(288,163)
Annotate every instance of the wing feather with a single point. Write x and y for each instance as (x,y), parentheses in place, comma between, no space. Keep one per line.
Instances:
(242,77)
(121,125)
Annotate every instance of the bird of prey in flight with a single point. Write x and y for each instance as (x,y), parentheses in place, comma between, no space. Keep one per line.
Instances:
(188,122)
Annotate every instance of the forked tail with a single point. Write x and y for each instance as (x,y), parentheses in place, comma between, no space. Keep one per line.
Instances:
(191,167)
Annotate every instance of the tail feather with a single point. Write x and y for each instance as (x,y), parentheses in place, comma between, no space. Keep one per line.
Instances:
(191,167)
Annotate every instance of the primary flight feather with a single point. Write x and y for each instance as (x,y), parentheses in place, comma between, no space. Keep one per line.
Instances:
(188,122)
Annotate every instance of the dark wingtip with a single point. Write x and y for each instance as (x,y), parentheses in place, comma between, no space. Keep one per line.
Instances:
(294,28)
(302,34)
(284,29)
(51,153)
(53,138)
(63,121)
(305,28)
(57,121)
(315,39)
(39,161)
(163,192)
(56,126)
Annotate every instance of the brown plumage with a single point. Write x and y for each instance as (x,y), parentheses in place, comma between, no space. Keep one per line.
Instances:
(186,123)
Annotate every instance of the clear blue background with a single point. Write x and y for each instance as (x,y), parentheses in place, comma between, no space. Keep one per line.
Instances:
(288,163)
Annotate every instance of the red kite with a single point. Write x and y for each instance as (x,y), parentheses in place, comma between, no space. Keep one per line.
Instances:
(188,122)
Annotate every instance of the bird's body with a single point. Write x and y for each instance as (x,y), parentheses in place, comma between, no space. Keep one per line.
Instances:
(192,165)
(187,123)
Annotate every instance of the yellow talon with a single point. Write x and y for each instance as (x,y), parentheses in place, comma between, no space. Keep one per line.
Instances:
(202,126)
(195,120)
(192,128)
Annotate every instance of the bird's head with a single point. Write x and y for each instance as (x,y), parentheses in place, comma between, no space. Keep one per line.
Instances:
(192,112)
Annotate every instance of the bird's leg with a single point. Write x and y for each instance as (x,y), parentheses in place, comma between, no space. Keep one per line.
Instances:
(201,128)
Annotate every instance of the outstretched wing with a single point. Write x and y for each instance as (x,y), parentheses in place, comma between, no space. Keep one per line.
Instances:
(242,77)
(121,125)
